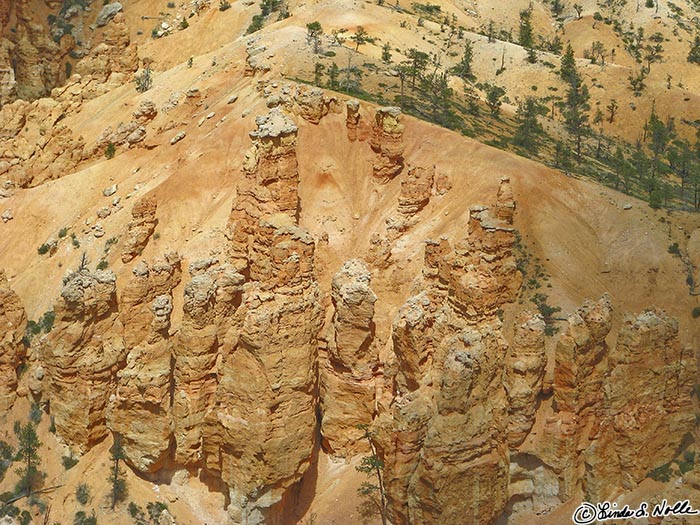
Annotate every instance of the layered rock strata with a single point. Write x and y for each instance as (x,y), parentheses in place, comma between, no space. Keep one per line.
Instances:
(139,409)
(12,324)
(143,224)
(81,356)
(270,183)
(386,140)
(445,441)
(347,374)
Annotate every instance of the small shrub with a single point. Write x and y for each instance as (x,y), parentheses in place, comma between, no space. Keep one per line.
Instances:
(134,509)
(82,493)
(184,24)
(156,236)
(687,463)
(52,426)
(674,249)
(69,462)
(144,81)
(110,150)
(102,265)
(696,312)
(35,413)
(47,320)
(155,509)
(74,240)
(255,25)
(662,473)
(44,248)
(63,232)
(171,5)
(224,5)
(83,519)
(25,518)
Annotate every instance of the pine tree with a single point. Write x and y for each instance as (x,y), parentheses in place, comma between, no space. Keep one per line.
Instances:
(576,115)
(333,74)
(373,466)
(464,68)
(529,128)
(694,54)
(386,53)
(568,71)
(117,482)
(360,37)
(526,37)
(494,96)
(313,34)
(418,63)
(27,454)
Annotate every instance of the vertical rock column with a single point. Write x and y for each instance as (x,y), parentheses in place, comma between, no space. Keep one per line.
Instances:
(445,444)
(270,183)
(12,323)
(347,375)
(386,141)
(210,301)
(140,408)
(261,432)
(525,367)
(81,356)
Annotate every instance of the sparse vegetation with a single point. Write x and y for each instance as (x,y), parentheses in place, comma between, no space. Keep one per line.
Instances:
(110,150)
(117,483)
(224,5)
(28,444)
(144,81)
(372,466)
(82,493)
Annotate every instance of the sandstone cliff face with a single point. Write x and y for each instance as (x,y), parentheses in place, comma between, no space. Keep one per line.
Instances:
(141,227)
(12,323)
(352,118)
(648,408)
(34,56)
(525,367)
(139,409)
(261,433)
(387,142)
(444,442)
(270,185)
(114,55)
(347,373)
(81,356)
(34,146)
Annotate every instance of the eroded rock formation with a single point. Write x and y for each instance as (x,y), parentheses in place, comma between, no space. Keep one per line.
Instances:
(347,373)
(114,55)
(139,409)
(81,356)
(270,184)
(445,442)
(312,104)
(525,367)
(141,227)
(12,323)
(352,118)
(386,141)
(34,146)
